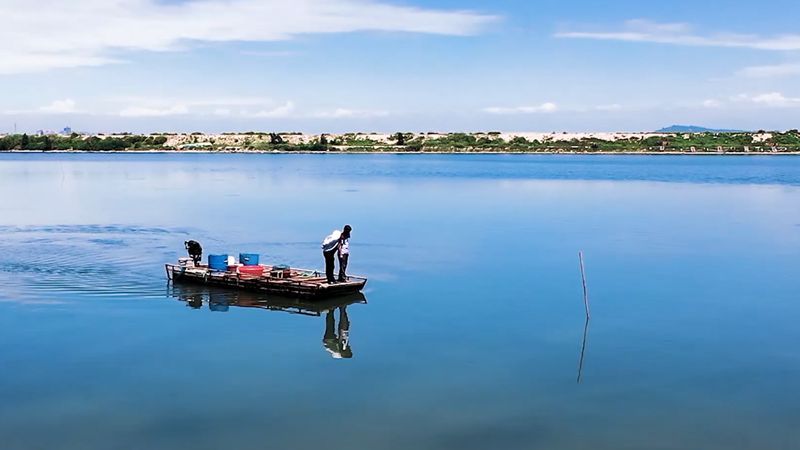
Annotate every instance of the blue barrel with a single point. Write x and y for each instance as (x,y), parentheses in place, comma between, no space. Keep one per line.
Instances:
(218,302)
(218,307)
(248,259)
(218,262)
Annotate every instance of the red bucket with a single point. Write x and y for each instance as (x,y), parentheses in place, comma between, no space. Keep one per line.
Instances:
(252,270)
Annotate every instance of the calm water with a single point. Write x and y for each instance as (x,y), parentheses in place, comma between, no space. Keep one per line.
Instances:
(472,330)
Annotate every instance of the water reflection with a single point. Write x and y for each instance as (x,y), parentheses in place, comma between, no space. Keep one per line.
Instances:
(583,350)
(335,339)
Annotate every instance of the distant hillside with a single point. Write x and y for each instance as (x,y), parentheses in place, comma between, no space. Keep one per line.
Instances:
(694,129)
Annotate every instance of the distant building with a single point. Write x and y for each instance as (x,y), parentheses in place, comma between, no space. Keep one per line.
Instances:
(66,130)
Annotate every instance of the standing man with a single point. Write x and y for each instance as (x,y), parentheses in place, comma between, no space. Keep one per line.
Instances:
(330,246)
(344,252)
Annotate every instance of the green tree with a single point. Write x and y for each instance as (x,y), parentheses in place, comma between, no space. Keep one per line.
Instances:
(25,141)
(321,145)
(415,146)
(400,138)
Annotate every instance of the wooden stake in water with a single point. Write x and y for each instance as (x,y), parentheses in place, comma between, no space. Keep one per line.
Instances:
(585,292)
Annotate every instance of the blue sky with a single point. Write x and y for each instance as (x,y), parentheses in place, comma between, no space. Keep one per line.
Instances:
(389,65)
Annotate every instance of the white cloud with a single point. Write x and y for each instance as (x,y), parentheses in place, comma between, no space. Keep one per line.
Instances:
(96,32)
(350,113)
(279,112)
(682,34)
(203,101)
(257,53)
(614,107)
(777,70)
(60,107)
(136,111)
(57,107)
(711,103)
(772,100)
(222,106)
(544,108)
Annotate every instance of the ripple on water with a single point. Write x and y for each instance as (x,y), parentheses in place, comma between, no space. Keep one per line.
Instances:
(85,260)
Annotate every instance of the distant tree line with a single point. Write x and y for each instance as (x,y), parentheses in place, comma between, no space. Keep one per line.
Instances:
(78,142)
(422,142)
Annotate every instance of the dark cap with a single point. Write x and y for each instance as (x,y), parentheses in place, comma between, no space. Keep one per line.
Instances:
(348,228)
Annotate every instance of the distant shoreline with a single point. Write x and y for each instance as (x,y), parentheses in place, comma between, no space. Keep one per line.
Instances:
(492,142)
(381,152)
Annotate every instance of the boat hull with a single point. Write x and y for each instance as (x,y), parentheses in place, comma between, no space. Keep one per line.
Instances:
(304,284)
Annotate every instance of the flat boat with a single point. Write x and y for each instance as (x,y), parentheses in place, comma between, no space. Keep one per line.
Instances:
(273,279)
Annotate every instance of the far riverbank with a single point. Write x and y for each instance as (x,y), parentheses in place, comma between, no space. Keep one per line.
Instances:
(373,152)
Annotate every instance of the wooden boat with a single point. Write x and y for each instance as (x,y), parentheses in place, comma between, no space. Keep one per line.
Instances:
(274,280)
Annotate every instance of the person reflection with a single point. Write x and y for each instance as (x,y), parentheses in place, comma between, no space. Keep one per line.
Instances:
(195,301)
(337,346)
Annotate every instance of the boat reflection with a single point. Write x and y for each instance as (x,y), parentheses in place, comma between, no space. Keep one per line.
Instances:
(336,339)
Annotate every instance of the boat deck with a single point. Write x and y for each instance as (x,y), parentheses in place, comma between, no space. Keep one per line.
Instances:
(302,283)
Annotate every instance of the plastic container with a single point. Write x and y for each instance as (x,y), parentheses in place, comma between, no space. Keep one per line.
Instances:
(218,307)
(218,262)
(280,273)
(185,262)
(217,302)
(248,259)
(252,270)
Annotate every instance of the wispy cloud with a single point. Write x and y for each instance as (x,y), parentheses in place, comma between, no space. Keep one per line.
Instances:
(57,107)
(135,111)
(343,113)
(772,100)
(683,34)
(197,101)
(60,107)
(155,107)
(614,107)
(98,32)
(544,108)
(219,106)
(778,70)
(279,112)
(257,53)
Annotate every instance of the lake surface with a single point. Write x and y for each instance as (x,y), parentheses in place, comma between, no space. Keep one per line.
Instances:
(473,328)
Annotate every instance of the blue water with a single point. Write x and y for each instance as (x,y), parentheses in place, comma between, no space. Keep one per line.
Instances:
(472,329)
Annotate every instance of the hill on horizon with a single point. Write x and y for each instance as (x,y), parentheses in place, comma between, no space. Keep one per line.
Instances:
(694,129)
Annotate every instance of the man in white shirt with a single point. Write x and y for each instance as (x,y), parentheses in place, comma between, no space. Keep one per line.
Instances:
(344,252)
(330,249)
(330,246)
